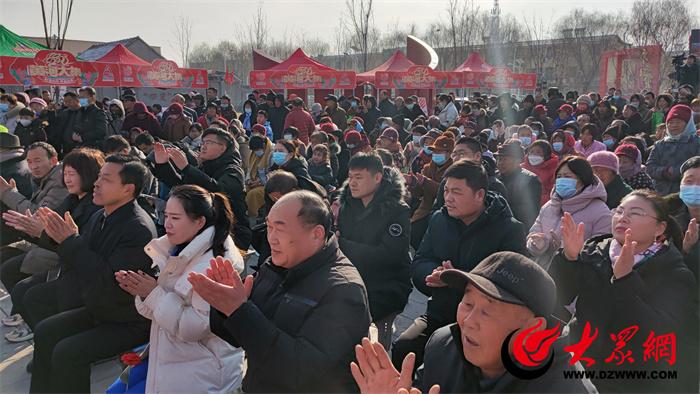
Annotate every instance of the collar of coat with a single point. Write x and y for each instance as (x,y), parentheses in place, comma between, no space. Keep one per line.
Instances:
(391,189)
(56,172)
(159,249)
(326,255)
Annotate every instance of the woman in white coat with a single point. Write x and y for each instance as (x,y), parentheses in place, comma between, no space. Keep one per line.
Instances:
(184,355)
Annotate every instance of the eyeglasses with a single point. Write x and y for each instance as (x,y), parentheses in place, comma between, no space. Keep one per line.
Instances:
(211,142)
(632,214)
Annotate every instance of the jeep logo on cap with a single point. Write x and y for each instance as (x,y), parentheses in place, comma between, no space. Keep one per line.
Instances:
(511,277)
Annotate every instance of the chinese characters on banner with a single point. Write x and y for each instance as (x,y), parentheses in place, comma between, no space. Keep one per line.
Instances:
(423,77)
(632,70)
(60,68)
(302,77)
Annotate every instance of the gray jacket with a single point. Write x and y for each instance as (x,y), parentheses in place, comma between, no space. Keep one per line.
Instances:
(48,192)
(669,153)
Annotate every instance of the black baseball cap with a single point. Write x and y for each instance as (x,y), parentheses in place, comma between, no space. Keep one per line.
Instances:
(332,97)
(509,277)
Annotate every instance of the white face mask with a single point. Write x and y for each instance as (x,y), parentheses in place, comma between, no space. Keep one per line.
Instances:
(25,122)
(535,160)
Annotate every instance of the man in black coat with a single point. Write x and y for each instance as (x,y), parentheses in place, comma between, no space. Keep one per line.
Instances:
(90,127)
(102,321)
(473,224)
(386,106)
(524,188)
(370,113)
(412,109)
(375,224)
(299,319)
(554,101)
(278,114)
(220,171)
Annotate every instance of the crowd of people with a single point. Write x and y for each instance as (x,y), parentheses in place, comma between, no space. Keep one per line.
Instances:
(126,224)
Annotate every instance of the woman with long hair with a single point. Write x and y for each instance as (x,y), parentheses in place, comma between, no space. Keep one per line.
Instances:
(184,355)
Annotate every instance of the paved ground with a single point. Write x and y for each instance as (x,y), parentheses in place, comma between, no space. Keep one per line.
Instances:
(14,357)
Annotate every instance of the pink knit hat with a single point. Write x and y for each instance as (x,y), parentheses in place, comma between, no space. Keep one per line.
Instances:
(605,159)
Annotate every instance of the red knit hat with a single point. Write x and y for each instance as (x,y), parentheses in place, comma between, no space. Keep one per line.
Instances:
(391,134)
(540,109)
(628,150)
(328,128)
(566,108)
(175,109)
(353,139)
(258,128)
(680,111)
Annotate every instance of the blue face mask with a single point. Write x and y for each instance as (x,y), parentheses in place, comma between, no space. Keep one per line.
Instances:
(609,143)
(259,153)
(84,102)
(279,158)
(558,146)
(690,194)
(526,140)
(410,106)
(416,139)
(427,150)
(4,107)
(565,187)
(248,110)
(439,158)
(616,97)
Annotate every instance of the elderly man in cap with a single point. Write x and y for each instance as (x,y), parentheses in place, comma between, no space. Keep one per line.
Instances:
(337,114)
(498,304)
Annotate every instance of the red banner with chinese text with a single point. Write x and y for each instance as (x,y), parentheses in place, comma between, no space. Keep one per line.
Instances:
(417,77)
(60,68)
(302,77)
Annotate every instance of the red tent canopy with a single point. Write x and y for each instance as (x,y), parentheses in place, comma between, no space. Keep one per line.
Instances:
(299,71)
(474,63)
(262,61)
(299,58)
(121,55)
(397,62)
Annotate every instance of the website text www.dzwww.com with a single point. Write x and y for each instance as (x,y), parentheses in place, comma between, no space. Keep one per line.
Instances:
(600,375)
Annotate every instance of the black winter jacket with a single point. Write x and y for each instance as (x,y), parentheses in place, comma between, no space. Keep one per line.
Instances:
(300,326)
(376,240)
(465,246)
(107,245)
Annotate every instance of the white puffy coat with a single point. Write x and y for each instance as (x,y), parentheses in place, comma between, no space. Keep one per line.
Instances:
(184,355)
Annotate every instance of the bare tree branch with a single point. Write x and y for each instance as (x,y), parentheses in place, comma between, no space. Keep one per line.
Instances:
(182,33)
